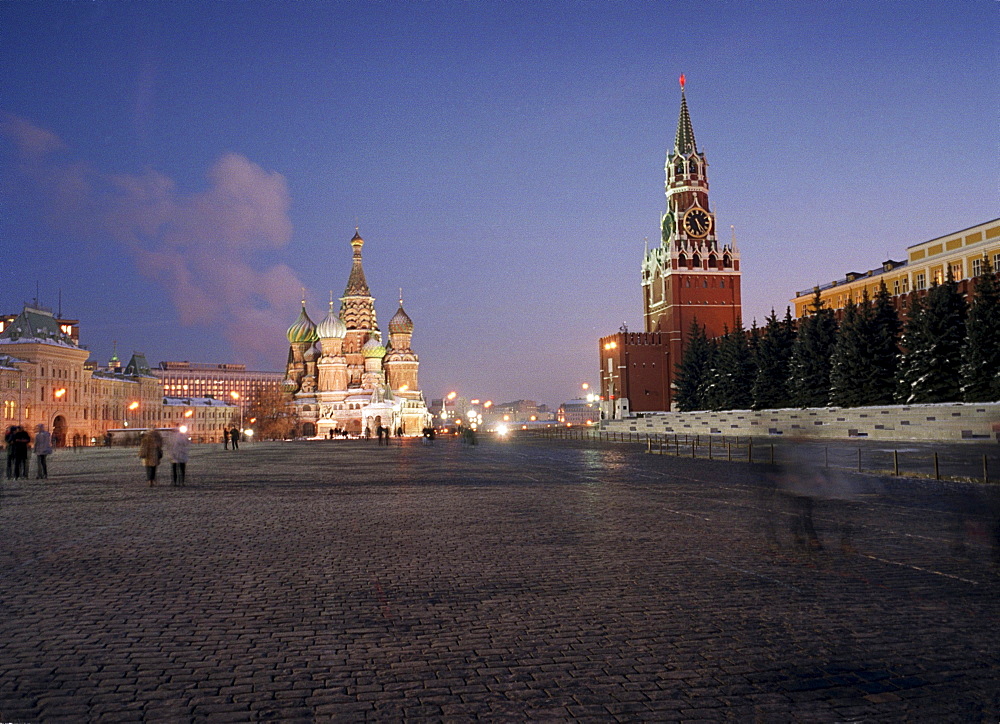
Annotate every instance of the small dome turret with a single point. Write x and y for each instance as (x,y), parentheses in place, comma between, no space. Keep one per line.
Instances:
(289,386)
(332,326)
(303,329)
(401,322)
(373,348)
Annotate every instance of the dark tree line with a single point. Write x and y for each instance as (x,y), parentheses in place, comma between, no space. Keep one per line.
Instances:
(948,351)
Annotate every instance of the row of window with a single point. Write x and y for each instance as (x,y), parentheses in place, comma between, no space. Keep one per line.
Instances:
(713,261)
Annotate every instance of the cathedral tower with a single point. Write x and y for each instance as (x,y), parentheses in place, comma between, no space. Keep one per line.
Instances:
(690,275)
(357,310)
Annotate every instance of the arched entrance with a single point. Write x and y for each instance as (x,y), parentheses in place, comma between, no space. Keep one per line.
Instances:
(59,431)
(308,429)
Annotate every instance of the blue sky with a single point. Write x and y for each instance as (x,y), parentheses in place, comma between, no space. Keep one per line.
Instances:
(180,170)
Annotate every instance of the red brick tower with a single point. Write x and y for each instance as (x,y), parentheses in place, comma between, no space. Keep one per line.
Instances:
(690,275)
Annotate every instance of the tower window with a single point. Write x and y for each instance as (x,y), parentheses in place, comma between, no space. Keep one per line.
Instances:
(727,261)
(696,261)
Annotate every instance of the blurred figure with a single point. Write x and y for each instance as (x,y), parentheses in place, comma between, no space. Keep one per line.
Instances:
(796,483)
(43,448)
(20,441)
(179,449)
(150,452)
(8,441)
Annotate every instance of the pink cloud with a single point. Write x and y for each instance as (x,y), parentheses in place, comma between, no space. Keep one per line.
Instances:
(204,248)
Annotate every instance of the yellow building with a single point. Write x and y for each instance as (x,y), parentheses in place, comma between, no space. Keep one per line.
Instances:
(961,252)
(204,419)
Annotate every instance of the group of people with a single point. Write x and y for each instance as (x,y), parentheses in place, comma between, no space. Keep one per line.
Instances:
(18,441)
(385,434)
(233,436)
(151,453)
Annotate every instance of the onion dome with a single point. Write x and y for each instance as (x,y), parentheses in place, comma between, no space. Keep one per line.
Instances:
(289,386)
(310,355)
(332,326)
(303,330)
(373,348)
(401,322)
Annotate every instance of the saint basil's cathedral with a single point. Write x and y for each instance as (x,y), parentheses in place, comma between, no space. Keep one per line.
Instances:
(354,381)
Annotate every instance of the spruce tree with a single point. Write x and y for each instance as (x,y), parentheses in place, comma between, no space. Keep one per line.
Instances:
(774,352)
(849,361)
(734,372)
(980,372)
(693,370)
(882,342)
(809,371)
(934,341)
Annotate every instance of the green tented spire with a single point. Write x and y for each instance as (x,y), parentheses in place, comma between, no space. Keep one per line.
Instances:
(684,141)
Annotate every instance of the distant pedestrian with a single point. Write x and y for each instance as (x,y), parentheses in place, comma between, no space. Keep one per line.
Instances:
(234,438)
(43,448)
(8,441)
(225,439)
(378,431)
(178,451)
(150,452)
(20,441)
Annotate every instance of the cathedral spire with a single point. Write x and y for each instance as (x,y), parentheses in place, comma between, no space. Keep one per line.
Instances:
(684,140)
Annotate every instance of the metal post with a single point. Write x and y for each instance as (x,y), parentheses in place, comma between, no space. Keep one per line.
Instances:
(709,447)
(986,471)
(937,470)
(749,449)
(729,446)
(693,443)
(859,460)
(895,462)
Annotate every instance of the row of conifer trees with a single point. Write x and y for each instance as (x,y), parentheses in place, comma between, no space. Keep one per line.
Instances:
(947,351)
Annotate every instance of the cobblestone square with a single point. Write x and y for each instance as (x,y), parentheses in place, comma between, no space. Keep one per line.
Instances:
(340,580)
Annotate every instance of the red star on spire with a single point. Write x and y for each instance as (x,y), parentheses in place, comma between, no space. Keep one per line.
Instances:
(682,81)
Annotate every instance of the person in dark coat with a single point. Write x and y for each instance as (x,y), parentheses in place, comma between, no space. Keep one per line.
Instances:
(234,438)
(20,441)
(43,448)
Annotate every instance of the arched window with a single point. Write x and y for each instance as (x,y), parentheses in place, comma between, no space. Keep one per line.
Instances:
(727,261)
(713,261)
(679,168)
(682,260)
(696,261)
(693,167)
(722,282)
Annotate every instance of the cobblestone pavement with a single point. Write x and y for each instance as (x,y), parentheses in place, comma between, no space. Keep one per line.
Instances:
(341,580)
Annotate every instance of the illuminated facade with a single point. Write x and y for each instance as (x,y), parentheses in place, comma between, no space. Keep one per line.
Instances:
(690,276)
(204,419)
(961,253)
(46,378)
(354,381)
(219,381)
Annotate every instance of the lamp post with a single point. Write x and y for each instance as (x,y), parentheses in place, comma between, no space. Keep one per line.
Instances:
(133,406)
(236,398)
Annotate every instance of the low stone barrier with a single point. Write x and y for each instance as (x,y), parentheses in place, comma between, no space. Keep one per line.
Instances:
(946,421)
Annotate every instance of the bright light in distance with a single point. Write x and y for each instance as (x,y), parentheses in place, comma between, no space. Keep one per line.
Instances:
(188,413)
(532,418)
(133,406)
(248,432)
(471,414)
(404,388)
(488,404)
(60,392)
(235,395)
(502,429)
(474,402)
(183,429)
(585,386)
(452,395)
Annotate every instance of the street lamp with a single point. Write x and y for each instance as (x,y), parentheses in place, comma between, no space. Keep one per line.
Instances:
(133,406)
(236,398)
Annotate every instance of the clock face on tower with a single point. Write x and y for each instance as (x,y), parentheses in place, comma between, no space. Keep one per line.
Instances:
(697,223)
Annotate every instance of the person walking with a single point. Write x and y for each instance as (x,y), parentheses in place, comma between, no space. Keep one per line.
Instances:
(178,451)
(234,437)
(150,452)
(20,441)
(8,441)
(43,448)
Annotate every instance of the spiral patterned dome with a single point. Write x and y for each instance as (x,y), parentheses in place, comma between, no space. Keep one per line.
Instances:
(332,326)
(401,322)
(303,329)
(373,348)
(289,386)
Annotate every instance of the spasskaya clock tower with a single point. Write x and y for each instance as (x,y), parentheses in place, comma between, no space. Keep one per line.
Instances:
(689,276)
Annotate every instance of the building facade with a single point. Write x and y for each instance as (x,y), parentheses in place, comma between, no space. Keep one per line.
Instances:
(961,253)
(231,383)
(354,381)
(46,378)
(690,277)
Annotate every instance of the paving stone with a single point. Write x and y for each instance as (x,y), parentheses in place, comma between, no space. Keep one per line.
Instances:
(521,580)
